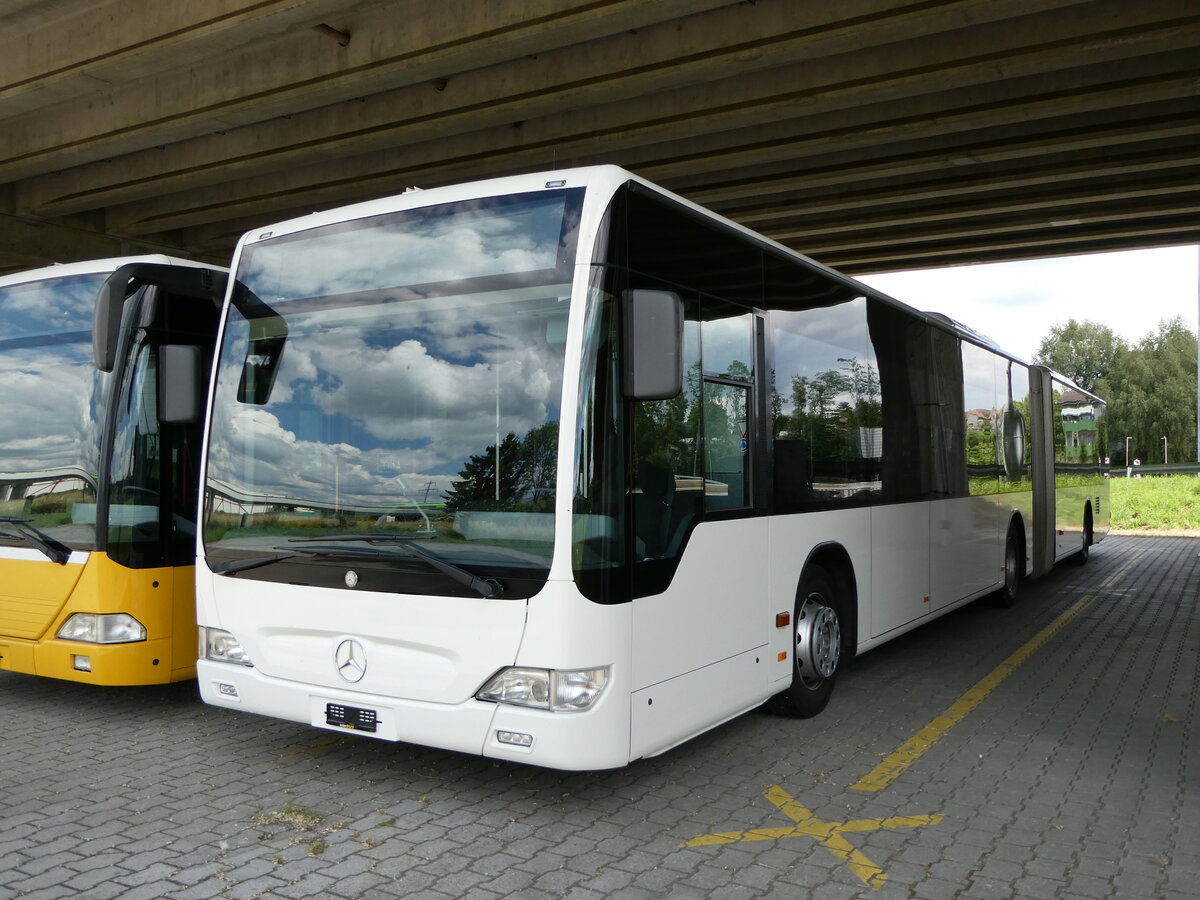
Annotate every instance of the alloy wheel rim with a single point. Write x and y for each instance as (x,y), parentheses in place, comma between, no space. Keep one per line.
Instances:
(818,641)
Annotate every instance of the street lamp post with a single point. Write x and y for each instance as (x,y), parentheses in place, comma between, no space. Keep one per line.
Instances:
(1164,449)
(1128,465)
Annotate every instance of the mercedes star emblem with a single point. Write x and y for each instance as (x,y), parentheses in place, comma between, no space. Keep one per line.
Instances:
(350,660)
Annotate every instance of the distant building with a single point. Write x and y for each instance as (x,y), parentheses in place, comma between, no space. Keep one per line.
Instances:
(979,419)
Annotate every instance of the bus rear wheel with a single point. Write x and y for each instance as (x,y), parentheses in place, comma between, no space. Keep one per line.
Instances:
(1013,571)
(1085,551)
(816,647)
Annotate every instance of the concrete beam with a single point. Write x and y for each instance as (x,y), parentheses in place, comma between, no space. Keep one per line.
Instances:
(1144,125)
(774,129)
(129,41)
(976,190)
(925,127)
(1073,213)
(375,121)
(30,243)
(688,55)
(1007,246)
(399,43)
(1025,247)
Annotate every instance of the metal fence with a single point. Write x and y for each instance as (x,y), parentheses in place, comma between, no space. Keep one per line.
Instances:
(1173,469)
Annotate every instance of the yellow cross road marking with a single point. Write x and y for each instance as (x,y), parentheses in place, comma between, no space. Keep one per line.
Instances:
(827,834)
(912,749)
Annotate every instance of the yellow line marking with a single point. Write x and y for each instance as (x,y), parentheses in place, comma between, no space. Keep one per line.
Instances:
(912,749)
(827,834)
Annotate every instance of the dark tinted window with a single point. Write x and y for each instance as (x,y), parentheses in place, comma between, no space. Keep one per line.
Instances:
(1014,445)
(1079,436)
(153,469)
(678,247)
(799,393)
(826,407)
(982,417)
(866,402)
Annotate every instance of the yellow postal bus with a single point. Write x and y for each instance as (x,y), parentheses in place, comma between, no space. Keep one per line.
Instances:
(98,468)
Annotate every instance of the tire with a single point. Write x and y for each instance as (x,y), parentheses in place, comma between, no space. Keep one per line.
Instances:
(816,646)
(1081,557)
(1014,572)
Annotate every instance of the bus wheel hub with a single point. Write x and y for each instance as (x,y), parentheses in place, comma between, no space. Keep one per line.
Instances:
(818,640)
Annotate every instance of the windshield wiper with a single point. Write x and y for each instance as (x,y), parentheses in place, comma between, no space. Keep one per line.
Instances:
(231,566)
(56,550)
(485,587)
(228,567)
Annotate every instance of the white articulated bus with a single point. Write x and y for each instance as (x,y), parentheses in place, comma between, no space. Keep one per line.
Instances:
(563,469)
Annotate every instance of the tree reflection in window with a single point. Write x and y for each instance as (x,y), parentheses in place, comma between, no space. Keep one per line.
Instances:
(518,478)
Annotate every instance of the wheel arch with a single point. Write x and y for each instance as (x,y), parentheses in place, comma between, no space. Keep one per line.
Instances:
(833,558)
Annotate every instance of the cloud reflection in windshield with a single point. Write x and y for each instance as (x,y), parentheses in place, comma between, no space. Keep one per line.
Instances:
(415,341)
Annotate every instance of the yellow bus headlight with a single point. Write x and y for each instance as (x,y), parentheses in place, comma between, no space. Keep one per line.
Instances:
(102,628)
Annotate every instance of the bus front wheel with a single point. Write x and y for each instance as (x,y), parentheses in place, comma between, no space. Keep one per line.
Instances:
(816,646)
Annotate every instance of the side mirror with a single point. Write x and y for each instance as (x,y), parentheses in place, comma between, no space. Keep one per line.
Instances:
(263,353)
(190,281)
(1013,432)
(106,323)
(264,349)
(653,333)
(180,384)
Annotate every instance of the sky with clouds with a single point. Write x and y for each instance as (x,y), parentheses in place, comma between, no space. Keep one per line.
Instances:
(1017,303)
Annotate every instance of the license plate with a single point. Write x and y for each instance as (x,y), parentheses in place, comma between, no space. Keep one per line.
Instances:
(351,717)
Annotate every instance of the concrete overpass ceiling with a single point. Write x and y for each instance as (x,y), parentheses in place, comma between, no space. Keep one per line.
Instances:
(871,134)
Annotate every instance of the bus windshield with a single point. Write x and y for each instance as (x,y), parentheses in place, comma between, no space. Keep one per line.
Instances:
(387,400)
(49,411)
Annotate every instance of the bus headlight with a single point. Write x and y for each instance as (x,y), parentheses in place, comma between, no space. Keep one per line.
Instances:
(221,646)
(102,628)
(558,690)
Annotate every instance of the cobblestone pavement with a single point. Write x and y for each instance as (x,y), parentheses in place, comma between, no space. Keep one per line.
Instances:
(1068,768)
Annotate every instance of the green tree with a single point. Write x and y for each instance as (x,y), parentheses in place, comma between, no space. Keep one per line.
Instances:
(1083,351)
(1152,394)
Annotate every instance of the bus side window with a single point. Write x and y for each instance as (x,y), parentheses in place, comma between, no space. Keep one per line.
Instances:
(826,398)
(667,474)
(984,419)
(727,353)
(726,475)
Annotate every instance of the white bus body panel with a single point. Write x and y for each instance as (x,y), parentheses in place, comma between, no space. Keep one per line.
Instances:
(700,594)
(1070,507)
(93,267)
(1041,430)
(900,561)
(966,548)
(421,678)
(446,648)
(688,678)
